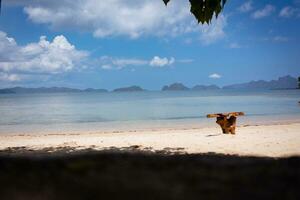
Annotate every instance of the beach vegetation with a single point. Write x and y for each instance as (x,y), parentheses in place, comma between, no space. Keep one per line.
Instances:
(205,10)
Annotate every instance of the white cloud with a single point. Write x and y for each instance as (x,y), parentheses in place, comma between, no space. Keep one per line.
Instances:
(59,56)
(246,7)
(161,62)
(41,57)
(106,67)
(287,11)
(9,77)
(266,11)
(132,18)
(280,39)
(276,39)
(213,32)
(235,45)
(112,63)
(215,76)
(7,47)
(108,62)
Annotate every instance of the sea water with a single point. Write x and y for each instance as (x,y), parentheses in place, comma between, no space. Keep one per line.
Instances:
(63,112)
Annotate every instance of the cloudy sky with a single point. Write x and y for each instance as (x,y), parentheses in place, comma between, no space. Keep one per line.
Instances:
(114,43)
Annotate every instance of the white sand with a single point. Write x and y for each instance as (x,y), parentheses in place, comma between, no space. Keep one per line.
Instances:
(264,140)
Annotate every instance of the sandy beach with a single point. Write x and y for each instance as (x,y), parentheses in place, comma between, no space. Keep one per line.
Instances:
(281,140)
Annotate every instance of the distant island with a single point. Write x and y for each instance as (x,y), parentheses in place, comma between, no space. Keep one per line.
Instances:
(285,82)
(94,90)
(23,90)
(175,87)
(129,89)
(182,87)
(206,87)
(6,91)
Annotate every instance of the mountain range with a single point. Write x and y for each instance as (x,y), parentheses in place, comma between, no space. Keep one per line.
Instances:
(285,82)
(129,89)
(23,90)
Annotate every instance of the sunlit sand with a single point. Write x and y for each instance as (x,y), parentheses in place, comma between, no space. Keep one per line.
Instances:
(263,140)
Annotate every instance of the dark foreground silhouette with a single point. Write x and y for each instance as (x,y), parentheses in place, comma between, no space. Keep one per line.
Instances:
(132,174)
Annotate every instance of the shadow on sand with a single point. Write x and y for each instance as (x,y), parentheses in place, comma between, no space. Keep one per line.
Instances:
(131,173)
(214,135)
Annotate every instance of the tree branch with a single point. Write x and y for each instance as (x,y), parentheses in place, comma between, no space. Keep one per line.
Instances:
(204,10)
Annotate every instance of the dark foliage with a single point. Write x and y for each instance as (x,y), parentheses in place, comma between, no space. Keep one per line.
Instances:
(142,175)
(204,10)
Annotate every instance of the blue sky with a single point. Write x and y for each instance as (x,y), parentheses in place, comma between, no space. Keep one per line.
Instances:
(119,43)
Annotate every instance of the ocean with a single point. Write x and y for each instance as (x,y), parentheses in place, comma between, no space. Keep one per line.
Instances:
(72,112)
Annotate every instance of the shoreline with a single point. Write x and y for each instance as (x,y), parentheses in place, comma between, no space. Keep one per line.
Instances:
(138,126)
(281,140)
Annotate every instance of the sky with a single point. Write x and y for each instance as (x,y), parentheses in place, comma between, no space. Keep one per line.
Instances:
(116,43)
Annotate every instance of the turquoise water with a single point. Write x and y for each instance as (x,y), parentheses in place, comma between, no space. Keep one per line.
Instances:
(138,110)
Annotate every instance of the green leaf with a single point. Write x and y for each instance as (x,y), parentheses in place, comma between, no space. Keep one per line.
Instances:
(205,10)
(166,2)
